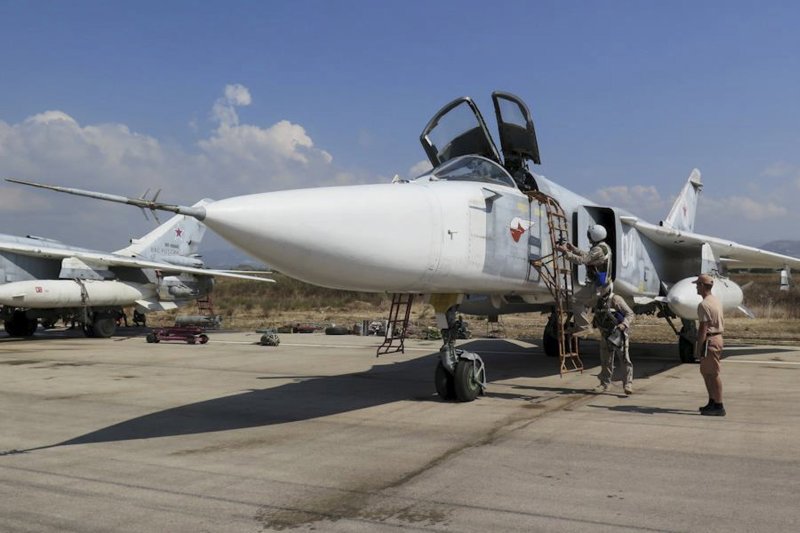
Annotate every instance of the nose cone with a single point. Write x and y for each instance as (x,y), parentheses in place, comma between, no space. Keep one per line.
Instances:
(365,237)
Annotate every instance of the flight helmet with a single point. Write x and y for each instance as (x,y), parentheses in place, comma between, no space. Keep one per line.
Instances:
(596,233)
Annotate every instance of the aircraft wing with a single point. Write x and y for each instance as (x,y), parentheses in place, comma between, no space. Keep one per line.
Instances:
(733,254)
(113,260)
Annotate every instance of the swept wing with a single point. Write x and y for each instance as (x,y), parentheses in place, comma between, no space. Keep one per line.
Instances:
(112,260)
(735,255)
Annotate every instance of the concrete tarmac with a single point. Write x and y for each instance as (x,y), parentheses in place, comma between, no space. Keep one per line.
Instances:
(317,434)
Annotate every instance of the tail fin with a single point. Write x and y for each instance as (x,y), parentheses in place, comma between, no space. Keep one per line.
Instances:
(681,216)
(179,236)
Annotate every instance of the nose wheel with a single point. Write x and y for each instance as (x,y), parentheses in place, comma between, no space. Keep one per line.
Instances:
(460,375)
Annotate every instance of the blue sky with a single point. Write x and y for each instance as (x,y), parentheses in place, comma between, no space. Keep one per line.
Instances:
(217,99)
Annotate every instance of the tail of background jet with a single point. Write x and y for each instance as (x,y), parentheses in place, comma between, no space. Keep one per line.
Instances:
(681,216)
(179,236)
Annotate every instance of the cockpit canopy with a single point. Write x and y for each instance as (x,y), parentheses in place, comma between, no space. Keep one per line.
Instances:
(473,168)
(458,129)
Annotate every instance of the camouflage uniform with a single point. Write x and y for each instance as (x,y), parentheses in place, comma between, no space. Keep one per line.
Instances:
(598,265)
(613,317)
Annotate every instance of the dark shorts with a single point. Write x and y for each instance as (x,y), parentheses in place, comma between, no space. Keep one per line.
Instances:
(709,365)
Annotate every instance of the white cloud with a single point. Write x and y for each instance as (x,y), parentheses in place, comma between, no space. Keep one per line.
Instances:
(235,158)
(419,168)
(17,200)
(224,110)
(738,207)
(639,199)
(781,169)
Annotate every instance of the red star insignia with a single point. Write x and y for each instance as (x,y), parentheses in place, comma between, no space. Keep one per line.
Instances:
(517,232)
(178,232)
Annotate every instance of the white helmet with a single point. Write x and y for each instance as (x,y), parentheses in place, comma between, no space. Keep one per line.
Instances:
(596,233)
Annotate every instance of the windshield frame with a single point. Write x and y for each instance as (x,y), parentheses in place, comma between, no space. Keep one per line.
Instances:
(474,168)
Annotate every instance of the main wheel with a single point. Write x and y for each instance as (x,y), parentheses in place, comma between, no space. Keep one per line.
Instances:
(103,326)
(685,342)
(151,338)
(467,384)
(203,338)
(19,325)
(190,339)
(445,385)
(686,350)
(550,337)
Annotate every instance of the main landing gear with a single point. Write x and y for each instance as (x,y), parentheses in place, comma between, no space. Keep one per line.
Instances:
(102,325)
(460,375)
(687,337)
(19,325)
(686,340)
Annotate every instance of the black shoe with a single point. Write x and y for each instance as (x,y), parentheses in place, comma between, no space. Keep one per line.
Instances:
(707,406)
(717,410)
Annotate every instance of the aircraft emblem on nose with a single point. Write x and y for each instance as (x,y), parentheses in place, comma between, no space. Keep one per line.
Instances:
(518,227)
(178,232)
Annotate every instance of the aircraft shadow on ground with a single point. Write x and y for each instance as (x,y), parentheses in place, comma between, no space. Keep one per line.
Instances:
(311,397)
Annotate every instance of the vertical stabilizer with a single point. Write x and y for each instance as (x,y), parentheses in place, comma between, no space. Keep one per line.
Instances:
(178,236)
(681,216)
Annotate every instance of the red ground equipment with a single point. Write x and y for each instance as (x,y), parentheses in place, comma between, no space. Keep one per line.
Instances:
(187,334)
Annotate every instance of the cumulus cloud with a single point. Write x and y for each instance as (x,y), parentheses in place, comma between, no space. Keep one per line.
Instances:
(224,110)
(642,200)
(234,158)
(744,207)
(419,168)
(781,169)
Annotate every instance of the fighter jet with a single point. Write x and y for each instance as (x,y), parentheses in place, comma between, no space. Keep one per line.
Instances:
(43,279)
(481,222)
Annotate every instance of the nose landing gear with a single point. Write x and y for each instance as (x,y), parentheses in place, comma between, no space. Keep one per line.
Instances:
(460,375)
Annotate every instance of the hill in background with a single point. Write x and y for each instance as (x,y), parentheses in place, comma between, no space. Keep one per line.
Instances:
(784,247)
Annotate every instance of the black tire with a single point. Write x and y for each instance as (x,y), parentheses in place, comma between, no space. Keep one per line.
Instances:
(19,325)
(466,383)
(686,350)
(550,344)
(104,326)
(337,330)
(550,337)
(151,338)
(203,339)
(190,339)
(686,339)
(444,382)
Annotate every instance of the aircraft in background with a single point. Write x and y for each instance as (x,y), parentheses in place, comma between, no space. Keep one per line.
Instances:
(479,223)
(42,279)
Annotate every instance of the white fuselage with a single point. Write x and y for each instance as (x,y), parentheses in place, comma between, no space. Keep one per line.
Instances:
(419,236)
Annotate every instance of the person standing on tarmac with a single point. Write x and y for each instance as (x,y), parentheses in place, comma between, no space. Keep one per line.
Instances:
(613,317)
(708,348)
(598,275)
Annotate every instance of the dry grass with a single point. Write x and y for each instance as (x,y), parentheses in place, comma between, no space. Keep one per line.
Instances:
(249,305)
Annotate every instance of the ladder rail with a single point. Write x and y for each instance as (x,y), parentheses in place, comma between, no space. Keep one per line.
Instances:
(556,272)
(399,300)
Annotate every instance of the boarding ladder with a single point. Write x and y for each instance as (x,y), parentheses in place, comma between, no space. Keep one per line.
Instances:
(205,306)
(556,272)
(396,327)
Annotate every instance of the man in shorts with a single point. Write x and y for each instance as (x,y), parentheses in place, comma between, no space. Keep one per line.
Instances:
(709,345)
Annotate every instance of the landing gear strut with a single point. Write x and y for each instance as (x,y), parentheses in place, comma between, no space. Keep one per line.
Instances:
(459,375)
